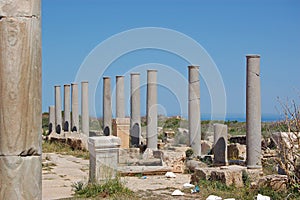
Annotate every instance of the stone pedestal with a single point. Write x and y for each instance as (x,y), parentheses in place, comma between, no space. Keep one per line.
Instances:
(220,145)
(253,112)
(135,110)
(121,128)
(194,110)
(151,109)
(104,152)
(75,114)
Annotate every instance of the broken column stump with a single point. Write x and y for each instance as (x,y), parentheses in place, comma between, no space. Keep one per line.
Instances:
(121,129)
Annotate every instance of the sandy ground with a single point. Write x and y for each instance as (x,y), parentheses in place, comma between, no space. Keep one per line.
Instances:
(61,171)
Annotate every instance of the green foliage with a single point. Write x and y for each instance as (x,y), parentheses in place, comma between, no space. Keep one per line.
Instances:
(189,153)
(64,149)
(108,189)
(246,193)
(245,178)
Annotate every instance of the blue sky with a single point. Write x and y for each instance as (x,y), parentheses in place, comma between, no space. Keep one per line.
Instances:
(228,31)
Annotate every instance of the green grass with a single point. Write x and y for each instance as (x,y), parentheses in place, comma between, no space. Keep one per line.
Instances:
(246,193)
(64,149)
(111,189)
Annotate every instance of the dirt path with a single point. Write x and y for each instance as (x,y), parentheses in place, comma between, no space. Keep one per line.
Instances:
(61,171)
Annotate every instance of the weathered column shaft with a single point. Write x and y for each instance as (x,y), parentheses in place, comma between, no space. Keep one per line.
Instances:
(67,113)
(51,119)
(135,110)
(75,107)
(194,110)
(120,97)
(107,114)
(20,104)
(253,112)
(220,144)
(85,108)
(152,109)
(58,118)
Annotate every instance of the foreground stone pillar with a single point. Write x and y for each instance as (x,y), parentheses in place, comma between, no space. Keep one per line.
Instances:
(85,108)
(253,112)
(20,104)
(103,158)
(107,114)
(194,110)
(75,113)
(220,145)
(135,110)
(151,109)
(51,123)
(58,118)
(120,97)
(67,113)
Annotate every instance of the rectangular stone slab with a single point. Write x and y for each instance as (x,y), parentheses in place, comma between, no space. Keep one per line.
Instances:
(19,174)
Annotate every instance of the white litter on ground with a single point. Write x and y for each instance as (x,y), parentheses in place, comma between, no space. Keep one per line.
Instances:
(213,197)
(188,185)
(262,197)
(170,175)
(177,193)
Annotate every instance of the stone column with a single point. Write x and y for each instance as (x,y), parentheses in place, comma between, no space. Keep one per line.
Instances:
(220,145)
(85,108)
(20,104)
(51,119)
(151,109)
(107,114)
(120,97)
(135,110)
(58,118)
(75,114)
(194,110)
(253,112)
(67,114)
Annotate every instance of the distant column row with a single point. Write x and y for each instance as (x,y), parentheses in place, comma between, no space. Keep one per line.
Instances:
(70,121)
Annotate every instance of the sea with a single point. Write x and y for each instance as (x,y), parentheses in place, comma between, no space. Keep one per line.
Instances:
(242,117)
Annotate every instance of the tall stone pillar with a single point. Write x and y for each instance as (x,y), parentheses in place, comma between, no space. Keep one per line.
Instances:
(120,97)
(253,112)
(135,110)
(20,104)
(151,109)
(107,114)
(194,110)
(85,108)
(220,145)
(58,118)
(67,113)
(51,119)
(75,113)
